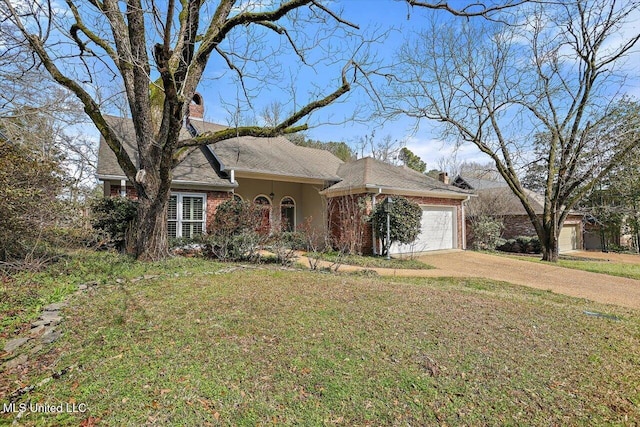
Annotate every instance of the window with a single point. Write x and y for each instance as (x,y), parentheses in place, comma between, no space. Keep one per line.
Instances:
(237,197)
(288,214)
(186,215)
(265,206)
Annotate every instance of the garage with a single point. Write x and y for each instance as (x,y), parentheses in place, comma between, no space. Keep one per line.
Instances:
(568,239)
(438,231)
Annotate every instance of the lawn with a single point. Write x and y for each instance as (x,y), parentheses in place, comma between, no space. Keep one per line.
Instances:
(632,271)
(374,261)
(197,343)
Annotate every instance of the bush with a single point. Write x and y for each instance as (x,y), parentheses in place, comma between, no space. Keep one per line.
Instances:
(486,232)
(114,216)
(405,217)
(29,203)
(521,245)
(236,232)
(284,245)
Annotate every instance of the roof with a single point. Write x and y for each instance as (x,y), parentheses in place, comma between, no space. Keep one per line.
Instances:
(509,203)
(273,156)
(276,156)
(478,183)
(372,174)
(195,169)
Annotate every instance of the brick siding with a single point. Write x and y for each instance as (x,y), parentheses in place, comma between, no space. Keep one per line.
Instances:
(214,199)
(340,231)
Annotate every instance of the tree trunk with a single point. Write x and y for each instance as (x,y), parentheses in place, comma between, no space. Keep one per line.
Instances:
(151,240)
(549,243)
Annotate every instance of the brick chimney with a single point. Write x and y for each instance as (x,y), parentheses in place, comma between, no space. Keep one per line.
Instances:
(196,108)
(443,177)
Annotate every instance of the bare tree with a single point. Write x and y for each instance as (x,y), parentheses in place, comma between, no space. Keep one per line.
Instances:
(386,149)
(36,112)
(159,53)
(551,72)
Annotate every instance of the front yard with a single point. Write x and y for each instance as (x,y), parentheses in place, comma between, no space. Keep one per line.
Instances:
(199,343)
(593,265)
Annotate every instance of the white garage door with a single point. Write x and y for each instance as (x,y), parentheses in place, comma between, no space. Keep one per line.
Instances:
(437,231)
(568,238)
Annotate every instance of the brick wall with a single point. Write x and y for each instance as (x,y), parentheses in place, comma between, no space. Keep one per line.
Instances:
(346,227)
(520,225)
(363,238)
(214,199)
(131,192)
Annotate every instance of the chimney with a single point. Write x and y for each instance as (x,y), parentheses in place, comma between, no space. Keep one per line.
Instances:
(196,108)
(443,177)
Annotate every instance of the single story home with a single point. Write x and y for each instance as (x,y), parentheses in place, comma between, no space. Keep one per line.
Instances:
(295,185)
(516,220)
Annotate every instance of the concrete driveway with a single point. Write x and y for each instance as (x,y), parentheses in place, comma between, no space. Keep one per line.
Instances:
(593,286)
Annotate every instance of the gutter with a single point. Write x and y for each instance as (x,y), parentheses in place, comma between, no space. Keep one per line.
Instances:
(123,179)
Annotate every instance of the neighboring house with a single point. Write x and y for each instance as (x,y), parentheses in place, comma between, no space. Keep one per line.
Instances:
(295,185)
(515,218)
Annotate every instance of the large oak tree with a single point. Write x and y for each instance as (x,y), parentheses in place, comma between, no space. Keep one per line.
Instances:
(158,52)
(546,77)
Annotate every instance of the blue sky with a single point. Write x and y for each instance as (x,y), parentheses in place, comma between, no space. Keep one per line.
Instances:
(373,17)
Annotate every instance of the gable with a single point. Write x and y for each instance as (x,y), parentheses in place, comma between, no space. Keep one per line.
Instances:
(372,175)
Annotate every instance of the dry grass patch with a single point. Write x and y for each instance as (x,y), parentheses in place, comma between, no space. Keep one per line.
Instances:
(620,269)
(267,346)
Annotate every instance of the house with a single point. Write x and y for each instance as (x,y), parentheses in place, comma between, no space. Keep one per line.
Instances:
(295,185)
(516,220)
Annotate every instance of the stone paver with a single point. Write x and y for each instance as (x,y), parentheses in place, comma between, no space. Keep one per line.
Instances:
(14,344)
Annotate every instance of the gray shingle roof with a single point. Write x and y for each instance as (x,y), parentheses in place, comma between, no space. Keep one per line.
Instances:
(194,169)
(276,156)
(370,173)
(509,203)
(479,184)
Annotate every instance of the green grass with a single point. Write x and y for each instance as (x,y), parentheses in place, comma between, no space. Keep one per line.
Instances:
(23,295)
(632,271)
(376,261)
(267,346)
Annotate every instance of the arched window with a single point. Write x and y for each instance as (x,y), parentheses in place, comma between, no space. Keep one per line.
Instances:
(288,214)
(265,206)
(237,197)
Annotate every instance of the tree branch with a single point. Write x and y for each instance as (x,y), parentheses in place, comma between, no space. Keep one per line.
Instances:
(285,127)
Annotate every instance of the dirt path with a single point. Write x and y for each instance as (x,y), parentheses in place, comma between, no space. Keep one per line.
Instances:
(593,286)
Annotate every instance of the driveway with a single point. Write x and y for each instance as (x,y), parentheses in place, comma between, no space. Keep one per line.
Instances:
(593,286)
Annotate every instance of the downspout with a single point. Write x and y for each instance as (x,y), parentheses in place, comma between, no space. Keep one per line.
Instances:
(123,188)
(233,176)
(464,224)
(373,229)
